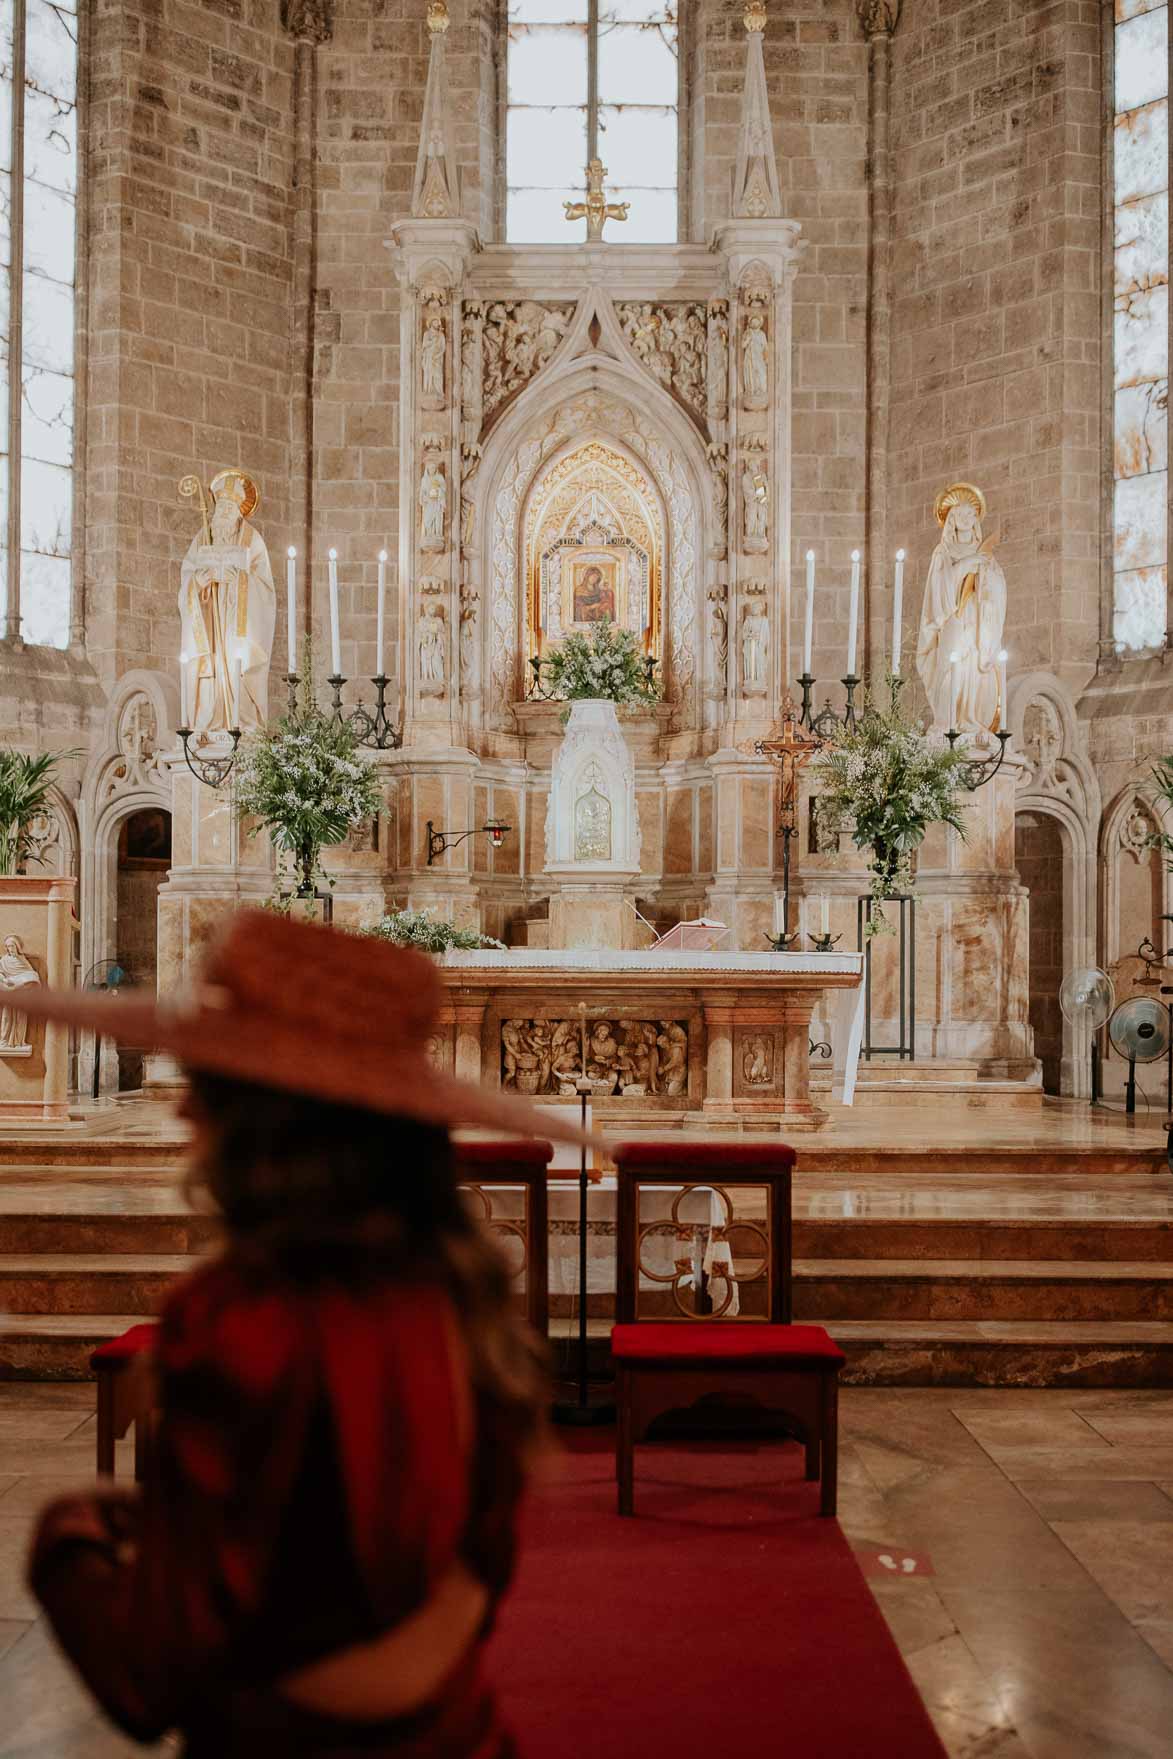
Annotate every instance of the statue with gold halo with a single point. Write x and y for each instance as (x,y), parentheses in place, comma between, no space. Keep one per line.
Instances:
(227,610)
(962,619)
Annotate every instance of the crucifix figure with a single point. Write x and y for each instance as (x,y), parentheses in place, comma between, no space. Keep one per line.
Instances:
(596,210)
(790,747)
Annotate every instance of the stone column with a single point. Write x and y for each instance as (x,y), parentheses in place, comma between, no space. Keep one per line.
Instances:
(878,20)
(310,24)
(719,1013)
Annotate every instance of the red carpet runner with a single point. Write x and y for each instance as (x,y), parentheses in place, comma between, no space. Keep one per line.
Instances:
(725,1619)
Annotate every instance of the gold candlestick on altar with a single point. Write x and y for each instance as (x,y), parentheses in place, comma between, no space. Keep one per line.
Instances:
(596,210)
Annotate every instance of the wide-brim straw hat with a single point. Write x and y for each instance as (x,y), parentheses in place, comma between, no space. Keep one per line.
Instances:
(310,1010)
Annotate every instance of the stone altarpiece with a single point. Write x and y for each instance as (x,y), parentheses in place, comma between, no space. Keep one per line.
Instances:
(594,428)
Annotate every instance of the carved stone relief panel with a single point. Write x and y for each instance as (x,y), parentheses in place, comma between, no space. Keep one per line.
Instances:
(137,738)
(755,1061)
(628,1057)
(674,343)
(518,337)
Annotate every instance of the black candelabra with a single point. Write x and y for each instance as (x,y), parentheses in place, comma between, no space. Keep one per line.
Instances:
(374,730)
(212,768)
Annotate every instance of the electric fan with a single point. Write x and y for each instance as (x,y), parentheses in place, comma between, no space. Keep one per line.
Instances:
(1085,998)
(1139,1031)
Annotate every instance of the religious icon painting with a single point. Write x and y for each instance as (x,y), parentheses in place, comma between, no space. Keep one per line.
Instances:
(594,593)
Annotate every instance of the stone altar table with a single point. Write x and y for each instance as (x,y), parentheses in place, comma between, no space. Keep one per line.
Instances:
(676,1040)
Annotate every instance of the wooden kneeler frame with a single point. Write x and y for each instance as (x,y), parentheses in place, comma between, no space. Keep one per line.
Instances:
(666,1365)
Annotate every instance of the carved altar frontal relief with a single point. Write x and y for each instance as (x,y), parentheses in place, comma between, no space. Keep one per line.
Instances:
(757,1061)
(627,1057)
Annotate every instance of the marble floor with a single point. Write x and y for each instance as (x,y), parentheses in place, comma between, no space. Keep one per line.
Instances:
(1020,1545)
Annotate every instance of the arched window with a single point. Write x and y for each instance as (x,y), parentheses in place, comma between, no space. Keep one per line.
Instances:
(1140,159)
(591,79)
(38,265)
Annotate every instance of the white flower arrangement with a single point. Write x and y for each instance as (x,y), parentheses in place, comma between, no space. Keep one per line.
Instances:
(606,665)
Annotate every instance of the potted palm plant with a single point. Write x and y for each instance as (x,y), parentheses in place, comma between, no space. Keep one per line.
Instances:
(26,782)
(36,944)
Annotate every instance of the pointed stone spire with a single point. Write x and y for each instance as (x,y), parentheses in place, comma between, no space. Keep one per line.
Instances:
(755,181)
(436,192)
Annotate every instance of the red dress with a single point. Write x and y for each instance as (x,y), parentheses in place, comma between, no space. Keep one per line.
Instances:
(313,1481)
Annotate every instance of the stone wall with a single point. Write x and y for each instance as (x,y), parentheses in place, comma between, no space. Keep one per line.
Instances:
(816,72)
(996,118)
(189,180)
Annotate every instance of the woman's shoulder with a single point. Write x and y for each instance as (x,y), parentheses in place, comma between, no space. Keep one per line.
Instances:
(231,1314)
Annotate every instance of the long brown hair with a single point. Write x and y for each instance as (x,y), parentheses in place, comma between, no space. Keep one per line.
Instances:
(335,1191)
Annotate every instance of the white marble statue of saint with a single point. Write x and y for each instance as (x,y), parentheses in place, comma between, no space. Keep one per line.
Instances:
(227,613)
(433,499)
(754,370)
(432,350)
(16,973)
(962,619)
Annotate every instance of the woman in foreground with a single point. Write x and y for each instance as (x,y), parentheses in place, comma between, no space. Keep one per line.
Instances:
(347,1401)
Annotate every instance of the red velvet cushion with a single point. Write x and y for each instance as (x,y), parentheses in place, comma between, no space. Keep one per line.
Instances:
(131,1343)
(474,1155)
(723,1341)
(709,1157)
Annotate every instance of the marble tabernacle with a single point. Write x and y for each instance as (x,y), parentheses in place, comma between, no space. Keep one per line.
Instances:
(700,1041)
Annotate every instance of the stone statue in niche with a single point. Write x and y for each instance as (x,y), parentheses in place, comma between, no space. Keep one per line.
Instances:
(962,619)
(673,1045)
(592,826)
(718,454)
(433,499)
(755,506)
(717,363)
(227,610)
(719,636)
(433,643)
(469,599)
(755,376)
(471,368)
(16,973)
(433,348)
(755,647)
(757,1061)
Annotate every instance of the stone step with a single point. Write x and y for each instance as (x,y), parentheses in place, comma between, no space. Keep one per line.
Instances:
(1127,1240)
(1005,1353)
(891,1290)
(86,1283)
(56,1346)
(115,1232)
(903,1160)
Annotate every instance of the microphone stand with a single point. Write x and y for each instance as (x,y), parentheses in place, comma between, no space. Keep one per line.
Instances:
(581,1412)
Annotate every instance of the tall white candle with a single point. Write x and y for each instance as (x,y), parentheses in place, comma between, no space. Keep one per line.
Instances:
(236,664)
(379,617)
(291,612)
(183,705)
(853,615)
(809,631)
(335,639)
(897,611)
(825,916)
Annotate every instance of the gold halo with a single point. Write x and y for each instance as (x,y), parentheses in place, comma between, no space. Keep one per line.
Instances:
(954,495)
(250,495)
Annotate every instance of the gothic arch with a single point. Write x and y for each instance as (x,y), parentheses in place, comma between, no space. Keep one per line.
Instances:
(1127,821)
(571,401)
(124,775)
